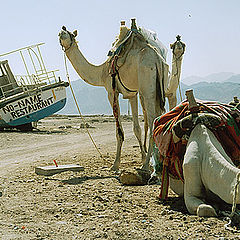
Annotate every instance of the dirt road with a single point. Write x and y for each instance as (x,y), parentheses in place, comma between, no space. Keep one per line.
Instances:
(91,204)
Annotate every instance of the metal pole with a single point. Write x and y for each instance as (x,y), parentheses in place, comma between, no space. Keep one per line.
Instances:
(25,64)
(43,64)
(21,49)
(128,108)
(32,60)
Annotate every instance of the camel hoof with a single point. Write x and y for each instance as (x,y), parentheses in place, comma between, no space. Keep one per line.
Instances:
(145,167)
(154,180)
(144,157)
(114,169)
(205,210)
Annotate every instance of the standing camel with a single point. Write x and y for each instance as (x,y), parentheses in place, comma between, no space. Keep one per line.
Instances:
(140,69)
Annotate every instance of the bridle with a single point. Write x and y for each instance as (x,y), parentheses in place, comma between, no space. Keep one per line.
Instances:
(72,38)
(174,45)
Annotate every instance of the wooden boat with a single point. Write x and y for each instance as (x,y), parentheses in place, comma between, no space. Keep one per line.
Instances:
(25,99)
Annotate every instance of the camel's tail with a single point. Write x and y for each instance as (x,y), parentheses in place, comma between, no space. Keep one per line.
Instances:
(161,83)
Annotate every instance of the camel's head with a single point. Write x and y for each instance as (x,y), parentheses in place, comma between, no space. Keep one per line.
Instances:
(178,47)
(66,38)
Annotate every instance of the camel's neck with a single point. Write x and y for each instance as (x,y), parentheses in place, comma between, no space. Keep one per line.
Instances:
(88,72)
(176,69)
(175,75)
(218,172)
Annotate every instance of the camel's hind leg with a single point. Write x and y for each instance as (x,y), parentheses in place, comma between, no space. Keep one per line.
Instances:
(193,187)
(145,122)
(148,89)
(152,111)
(136,127)
(148,94)
(119,132)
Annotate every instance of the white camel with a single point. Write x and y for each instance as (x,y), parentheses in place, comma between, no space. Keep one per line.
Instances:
(142,70)
(208,171)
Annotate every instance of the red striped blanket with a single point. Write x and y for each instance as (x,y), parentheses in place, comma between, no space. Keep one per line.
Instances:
(172,154)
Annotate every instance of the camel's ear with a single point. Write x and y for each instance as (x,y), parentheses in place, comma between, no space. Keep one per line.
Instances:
(75,33)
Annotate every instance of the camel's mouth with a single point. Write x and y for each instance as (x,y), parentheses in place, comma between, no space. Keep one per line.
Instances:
(66,39)
(63,35)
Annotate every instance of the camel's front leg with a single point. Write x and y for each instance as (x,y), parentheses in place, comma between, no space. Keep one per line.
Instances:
(136,127)
(172,100)
(119,130)
(193,187)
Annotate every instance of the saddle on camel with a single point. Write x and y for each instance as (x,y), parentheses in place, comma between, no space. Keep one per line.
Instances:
(172,130)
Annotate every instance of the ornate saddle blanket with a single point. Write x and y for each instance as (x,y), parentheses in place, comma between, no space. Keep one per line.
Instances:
(171,132)
(148,36)
(152,39)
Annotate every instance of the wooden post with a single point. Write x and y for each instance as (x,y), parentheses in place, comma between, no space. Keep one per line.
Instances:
(133,25)
(191,99)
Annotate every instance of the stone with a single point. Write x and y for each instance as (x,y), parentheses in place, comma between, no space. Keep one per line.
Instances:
(52,170)
(134,177)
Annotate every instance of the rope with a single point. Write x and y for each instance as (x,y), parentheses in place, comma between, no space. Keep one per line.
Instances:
(235,195)
(179,87)
(75,100)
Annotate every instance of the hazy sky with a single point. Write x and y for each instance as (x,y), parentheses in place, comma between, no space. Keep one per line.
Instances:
(210,29)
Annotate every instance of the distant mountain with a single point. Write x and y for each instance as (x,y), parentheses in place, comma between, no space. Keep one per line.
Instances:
(215,91)
(215,77)
(218,77)
(94,100)
(91,100)
(235,78)
(192,80)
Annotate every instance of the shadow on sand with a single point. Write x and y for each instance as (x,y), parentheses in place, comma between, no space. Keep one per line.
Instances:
(35,131)
(80,180)
(175,204)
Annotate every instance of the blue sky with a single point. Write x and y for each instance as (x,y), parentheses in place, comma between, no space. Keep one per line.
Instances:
(210,29)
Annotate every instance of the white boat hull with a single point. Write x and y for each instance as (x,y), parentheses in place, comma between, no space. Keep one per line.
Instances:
(34,107)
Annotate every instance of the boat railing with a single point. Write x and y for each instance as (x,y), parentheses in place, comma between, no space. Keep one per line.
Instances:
(39,78)
(36,73)
(27,83)
(10,89)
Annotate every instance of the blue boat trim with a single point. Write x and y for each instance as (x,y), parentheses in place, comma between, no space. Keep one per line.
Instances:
(3,123)
(39,114)
(21,95)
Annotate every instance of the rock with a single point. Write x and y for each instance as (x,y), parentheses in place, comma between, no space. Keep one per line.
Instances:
(86,125)
(134,177)
(61,222)
(116,222)
(130,178)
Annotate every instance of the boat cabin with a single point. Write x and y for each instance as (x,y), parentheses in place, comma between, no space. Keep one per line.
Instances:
(8,83)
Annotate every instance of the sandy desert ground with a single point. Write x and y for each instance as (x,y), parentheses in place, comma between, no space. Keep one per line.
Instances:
(91,204)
